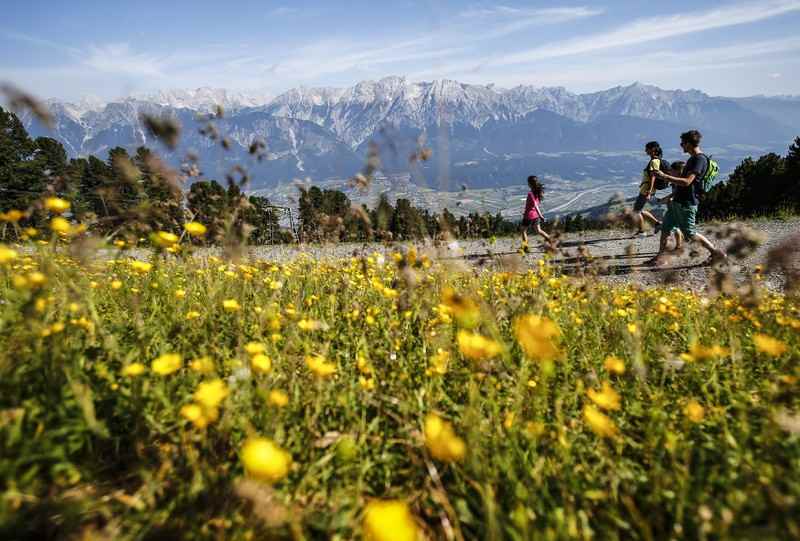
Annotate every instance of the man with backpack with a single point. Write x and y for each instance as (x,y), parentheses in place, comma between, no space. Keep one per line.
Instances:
(699,175)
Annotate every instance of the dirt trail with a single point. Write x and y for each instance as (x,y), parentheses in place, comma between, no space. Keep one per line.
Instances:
(617,255)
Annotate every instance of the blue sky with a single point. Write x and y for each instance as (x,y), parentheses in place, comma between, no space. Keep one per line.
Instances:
(111,49)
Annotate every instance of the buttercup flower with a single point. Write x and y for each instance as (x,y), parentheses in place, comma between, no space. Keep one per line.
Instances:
(264,460)
(694,411)
(614,365)
(195,229)
(320,366)
(167,364)
(769,345)
(600,424)
(389,520)
(278,398)
(477,347)
(442,441)
(607,398)
(56,205)
(133,369)
(211,393)
(536,335)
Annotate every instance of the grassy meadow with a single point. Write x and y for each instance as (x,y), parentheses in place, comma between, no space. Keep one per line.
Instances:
(386,397)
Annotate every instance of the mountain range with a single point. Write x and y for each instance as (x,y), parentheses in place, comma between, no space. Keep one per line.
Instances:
(480,135)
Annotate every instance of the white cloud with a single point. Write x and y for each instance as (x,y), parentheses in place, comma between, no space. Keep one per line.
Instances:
(775,75)
(656,28)
(120,59)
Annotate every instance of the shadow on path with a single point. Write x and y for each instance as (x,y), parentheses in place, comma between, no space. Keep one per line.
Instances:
(576,243)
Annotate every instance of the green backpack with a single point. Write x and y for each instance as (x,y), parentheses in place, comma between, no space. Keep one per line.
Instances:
(711,177)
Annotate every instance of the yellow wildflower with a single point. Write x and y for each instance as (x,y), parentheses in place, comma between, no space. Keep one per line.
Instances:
(133,369)
(440,361)
(607,399)
(699,352)
(614,365)
(442,441)
(694,411)
(195,229)
(164,239)
(464,309)
(194,413)
(264,460)
(60,225)
(7,255)
(141,267)
(12,216)
(310,325)
(320,366)
(231,305)
(600,424)
(261,363)
(56,205)
(167,364)
(368,384)
(769,345)
(389,520)
(192,314)
(278,398)
(477,347)
(254,348)
(203,365)
(211,393)
(536,335)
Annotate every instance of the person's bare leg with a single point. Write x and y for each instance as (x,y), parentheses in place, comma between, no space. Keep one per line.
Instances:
(707,244)
(646,214)
(662,248)
(639,219)
(678,240)
(541,232)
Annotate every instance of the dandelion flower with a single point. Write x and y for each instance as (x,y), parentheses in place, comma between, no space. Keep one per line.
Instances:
(56,205)
(164,239)
(320,366)
(254,348)
(441,440)
(133,370)
(607,398)
(477,347)
(142,267)
(166,364)
(60,225)
(231,305)
(769,345)
(278,398)
(202,365)
(7,255)
(694,411)
(195,229)
(464,309)
(614,365)
(600,423)
(699,352)
(536,336)
(389,520)
(12,216)
(211,393)
(264,460)
(261,363)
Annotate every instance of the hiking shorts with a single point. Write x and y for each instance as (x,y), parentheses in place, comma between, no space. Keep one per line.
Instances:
(681,216)
(641,201)
(528,222)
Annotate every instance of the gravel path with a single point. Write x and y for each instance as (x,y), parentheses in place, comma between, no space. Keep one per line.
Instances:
(612,255)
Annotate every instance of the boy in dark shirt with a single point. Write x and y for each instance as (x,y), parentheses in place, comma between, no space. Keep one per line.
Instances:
(682,211)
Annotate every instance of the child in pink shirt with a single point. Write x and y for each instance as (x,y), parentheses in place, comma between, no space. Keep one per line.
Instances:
(533,214)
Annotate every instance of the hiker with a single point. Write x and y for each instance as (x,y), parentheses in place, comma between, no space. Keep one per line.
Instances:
(533,214)
(647,188)
(682,210)
(676,170)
